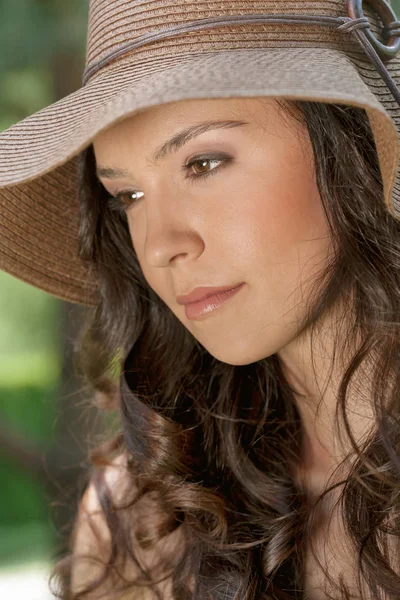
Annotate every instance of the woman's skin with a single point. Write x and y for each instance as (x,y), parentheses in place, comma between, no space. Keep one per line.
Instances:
(258,219)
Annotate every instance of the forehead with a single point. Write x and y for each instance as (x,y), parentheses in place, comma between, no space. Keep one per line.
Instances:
(167,118)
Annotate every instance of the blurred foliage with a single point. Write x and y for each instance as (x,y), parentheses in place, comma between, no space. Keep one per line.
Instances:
(24,543)
(34,35)
(24,91)
(32,32)
(35,315)
(30,408)
(396,7)
(25,530)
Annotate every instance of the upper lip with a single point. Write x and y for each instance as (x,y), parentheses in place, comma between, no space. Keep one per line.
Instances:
(200,293)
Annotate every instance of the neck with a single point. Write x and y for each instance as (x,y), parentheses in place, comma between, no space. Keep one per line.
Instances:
(315,379)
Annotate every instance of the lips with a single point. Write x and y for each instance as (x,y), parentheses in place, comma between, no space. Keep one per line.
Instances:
(201,293)
(210,304)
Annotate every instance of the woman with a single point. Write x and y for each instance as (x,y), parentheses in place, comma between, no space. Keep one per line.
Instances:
(257,455)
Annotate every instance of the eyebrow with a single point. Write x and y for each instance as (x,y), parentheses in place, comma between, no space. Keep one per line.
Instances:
(171,145)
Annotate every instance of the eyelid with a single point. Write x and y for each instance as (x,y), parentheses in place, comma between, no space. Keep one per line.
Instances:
(207,156)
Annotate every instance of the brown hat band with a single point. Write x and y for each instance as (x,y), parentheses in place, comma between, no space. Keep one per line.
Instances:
(355,23)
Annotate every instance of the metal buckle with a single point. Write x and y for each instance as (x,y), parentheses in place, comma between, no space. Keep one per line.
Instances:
(388,16)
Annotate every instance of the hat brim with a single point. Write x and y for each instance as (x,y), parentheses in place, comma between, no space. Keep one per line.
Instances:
(38,176)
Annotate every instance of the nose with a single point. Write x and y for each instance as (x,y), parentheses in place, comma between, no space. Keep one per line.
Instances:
(171,232)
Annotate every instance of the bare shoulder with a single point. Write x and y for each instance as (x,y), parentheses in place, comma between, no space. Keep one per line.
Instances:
(92,540)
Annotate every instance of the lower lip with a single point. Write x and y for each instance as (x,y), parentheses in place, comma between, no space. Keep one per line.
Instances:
(196,310)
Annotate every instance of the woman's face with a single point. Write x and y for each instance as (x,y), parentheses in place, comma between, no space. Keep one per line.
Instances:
(247,211)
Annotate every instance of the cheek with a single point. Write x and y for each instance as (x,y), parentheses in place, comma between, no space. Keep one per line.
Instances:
(274,217)
(293,243)
(293,216)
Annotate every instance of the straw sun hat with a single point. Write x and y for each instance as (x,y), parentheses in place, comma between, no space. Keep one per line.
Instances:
(142,53)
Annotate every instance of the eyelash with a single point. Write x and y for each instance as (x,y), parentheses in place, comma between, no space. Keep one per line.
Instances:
(116,203)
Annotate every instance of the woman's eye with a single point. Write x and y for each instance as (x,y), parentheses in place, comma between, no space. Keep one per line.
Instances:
(202,162)
(124,200)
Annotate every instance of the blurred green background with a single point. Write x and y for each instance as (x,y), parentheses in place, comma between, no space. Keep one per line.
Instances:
(43,425)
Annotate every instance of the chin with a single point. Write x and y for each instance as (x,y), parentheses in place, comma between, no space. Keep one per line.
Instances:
(235,356)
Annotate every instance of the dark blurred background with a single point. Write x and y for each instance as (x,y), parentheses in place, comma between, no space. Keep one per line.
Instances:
(44,421)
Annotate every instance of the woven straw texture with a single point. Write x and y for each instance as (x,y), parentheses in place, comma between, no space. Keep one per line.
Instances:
(38,178)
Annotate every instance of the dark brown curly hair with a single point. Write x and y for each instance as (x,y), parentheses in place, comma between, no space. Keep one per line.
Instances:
(213,447)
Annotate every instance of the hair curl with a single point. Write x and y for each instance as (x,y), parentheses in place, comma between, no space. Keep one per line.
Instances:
(213,445)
